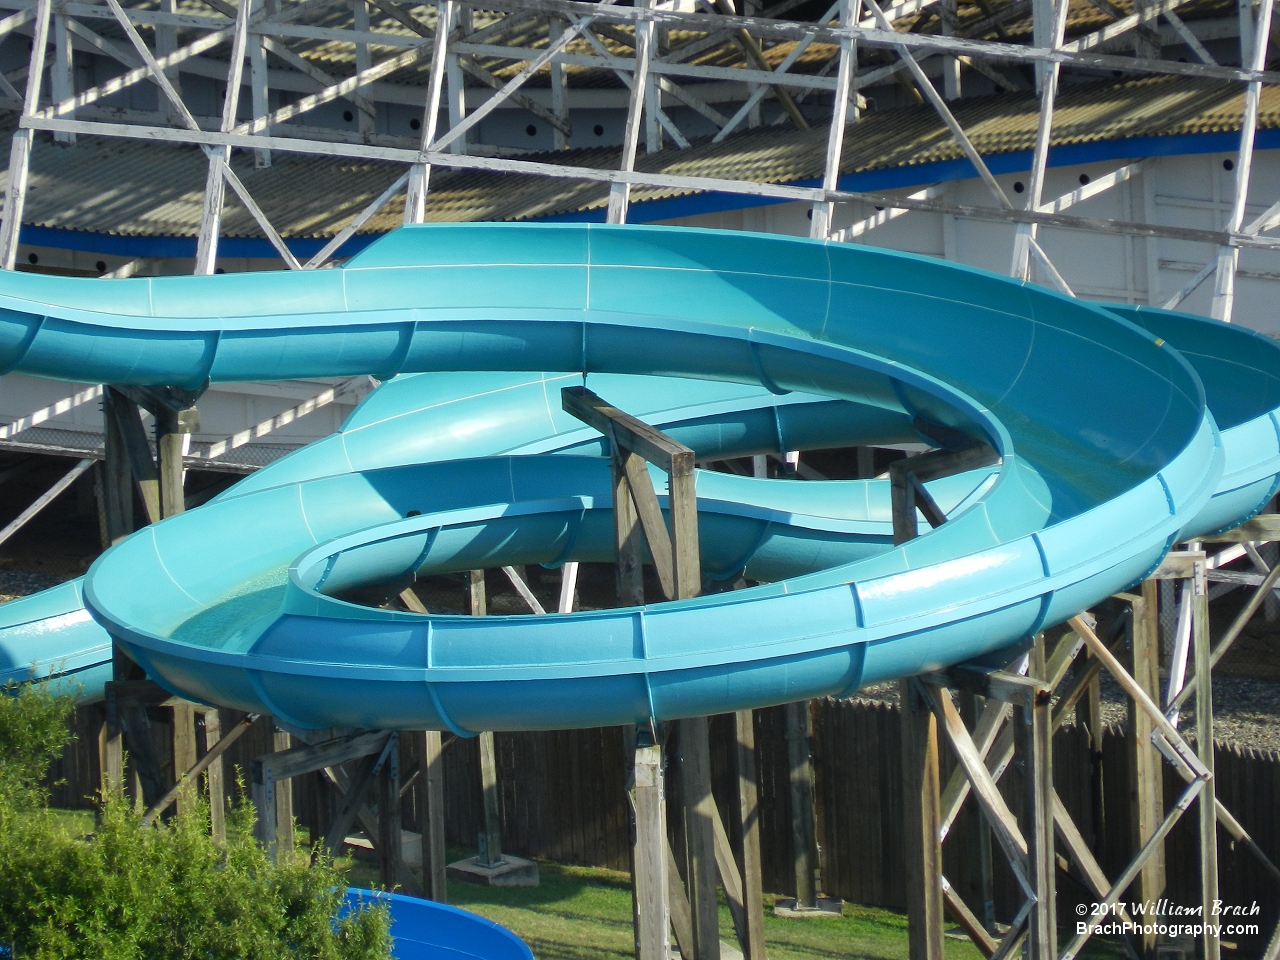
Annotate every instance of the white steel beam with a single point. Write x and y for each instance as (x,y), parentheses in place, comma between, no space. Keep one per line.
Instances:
(821,212)
(883,38)
(620,69)
(1047,75)
(138,74)
(620,191)
(260,90)
(559,92)
(215,181)
(758,94)
(1189,288)
(154,69)
(940,107)
(881,217)
(252,206)
(20,147)
(62,72)
(1092,188)
(415,205)
(347,232)
(633,177)
(1228,257)
(511,86)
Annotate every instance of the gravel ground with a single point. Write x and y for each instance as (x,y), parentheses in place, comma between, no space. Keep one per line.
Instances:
(1245,712)
(16,583)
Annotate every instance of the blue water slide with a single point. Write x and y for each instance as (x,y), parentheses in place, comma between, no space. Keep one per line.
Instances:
(735,343)
(424,930)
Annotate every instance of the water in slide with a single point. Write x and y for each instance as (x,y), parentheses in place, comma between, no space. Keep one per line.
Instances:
(1113,445)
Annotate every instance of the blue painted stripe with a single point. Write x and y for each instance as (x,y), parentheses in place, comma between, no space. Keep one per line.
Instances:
(869,181)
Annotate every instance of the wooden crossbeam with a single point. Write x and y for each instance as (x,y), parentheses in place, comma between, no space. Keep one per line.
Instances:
(632,434)
(203,764)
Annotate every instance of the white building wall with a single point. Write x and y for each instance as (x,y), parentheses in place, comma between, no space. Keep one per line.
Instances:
(1185,191)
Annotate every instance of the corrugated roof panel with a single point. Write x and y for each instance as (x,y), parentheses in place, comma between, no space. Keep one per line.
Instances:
(140,188)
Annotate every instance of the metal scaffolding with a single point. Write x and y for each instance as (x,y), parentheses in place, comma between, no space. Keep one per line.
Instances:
(663,51)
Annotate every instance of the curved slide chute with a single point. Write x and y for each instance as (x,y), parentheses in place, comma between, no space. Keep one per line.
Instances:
(735,343)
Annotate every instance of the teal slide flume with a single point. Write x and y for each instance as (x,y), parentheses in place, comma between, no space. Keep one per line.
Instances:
(1113,446)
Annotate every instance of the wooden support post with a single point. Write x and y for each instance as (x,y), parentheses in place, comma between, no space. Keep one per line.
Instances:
(1146,783)
(1034,734)
(676,556)
(136,450)
(281,741)
(922,846)
(169,431)
(1204,748)
(977,855)
(431,817)
(184,752)
(749,806)
(627,537)
(803,840)
(697,811)
(476,594)
(649,853)
(214,778)
(262,794)
(112,749)
(117,481)
(389,832)
(491,828)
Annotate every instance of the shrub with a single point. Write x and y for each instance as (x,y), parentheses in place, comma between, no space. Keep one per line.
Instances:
(166,892)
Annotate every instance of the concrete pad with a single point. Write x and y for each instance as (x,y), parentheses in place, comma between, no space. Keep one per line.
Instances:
(511,872)
(827,907)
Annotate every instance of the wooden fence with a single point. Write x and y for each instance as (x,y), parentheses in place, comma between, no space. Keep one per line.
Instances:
(563,799)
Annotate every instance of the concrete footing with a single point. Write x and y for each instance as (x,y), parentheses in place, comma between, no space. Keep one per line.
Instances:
(509,872)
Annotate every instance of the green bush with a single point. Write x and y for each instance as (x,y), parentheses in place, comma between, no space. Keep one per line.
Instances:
(166,892)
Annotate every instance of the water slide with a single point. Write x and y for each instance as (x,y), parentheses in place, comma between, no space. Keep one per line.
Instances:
(1113,445)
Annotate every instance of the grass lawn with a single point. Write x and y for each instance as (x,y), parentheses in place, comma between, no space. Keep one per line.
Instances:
(584,913)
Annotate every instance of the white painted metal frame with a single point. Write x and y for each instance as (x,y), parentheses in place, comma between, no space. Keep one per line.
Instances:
(572,40)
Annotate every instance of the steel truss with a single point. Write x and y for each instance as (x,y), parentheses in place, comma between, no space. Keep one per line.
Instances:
(523,39)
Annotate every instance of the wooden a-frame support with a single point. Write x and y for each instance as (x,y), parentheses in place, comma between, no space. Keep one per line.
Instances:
(986,750)
(661,902)
(126,705)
